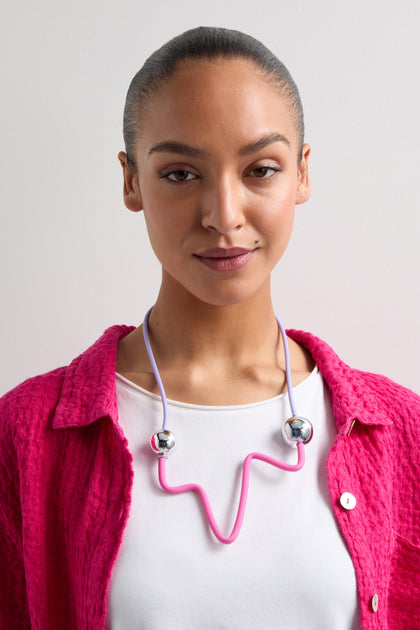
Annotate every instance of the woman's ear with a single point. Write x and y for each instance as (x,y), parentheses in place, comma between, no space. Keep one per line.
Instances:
(304,187)
(131,192)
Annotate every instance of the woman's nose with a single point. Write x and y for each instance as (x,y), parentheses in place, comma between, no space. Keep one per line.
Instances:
(223,206)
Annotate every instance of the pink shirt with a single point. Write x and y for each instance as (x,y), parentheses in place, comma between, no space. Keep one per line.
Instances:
(66,477)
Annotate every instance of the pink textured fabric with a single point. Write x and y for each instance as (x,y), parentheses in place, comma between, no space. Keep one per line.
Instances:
(66,477)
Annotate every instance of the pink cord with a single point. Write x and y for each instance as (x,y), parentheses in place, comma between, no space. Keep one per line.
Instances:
(193,487)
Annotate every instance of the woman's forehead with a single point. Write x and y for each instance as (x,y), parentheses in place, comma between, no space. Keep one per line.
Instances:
(215,99)
(220,74)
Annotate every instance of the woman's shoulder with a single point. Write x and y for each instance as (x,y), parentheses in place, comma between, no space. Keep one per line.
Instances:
(356,388)
(33,393)
(24,416)
(38,396)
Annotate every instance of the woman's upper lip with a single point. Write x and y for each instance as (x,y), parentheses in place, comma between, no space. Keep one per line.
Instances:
(220,252)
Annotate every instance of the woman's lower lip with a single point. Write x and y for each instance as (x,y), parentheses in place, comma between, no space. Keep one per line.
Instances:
(229,263)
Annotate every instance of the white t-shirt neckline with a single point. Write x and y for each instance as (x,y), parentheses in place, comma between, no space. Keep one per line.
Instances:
(221,408)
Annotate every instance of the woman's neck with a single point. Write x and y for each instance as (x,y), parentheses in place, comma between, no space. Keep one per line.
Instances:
(212,355)
(188,329)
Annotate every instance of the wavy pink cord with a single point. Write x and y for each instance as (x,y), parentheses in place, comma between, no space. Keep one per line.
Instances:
(193,487)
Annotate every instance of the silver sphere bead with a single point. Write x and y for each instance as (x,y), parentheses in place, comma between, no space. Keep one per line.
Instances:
(162,441)
(297,429)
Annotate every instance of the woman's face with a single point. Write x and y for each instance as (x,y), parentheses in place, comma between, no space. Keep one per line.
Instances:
(217,179)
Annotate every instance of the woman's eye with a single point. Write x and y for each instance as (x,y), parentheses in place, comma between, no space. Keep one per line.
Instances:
(263,172)
(178,175)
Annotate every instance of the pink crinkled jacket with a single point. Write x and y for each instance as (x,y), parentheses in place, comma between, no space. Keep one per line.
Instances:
(66,476)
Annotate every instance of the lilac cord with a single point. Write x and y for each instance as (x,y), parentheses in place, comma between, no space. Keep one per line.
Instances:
(193,487)
(288,370)
(155,368)
(159,380)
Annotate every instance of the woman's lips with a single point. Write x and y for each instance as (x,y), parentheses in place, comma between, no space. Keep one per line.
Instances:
(219,259)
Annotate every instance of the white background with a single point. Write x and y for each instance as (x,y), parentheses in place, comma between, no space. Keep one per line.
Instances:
(74,260)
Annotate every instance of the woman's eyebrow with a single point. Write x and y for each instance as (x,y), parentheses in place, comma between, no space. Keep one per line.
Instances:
(171,146)
(264,141)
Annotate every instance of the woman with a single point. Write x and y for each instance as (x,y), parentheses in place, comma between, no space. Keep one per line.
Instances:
(90,532)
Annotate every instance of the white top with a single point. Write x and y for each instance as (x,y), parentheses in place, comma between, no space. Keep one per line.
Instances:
(289,568)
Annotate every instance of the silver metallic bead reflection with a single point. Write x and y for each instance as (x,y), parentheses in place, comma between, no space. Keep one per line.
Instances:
(162,441)
(297,429)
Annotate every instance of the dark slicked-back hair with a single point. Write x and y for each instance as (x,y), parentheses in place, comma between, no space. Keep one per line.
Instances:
(205,42)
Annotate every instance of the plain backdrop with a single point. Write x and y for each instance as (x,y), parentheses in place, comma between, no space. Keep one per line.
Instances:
(74,260)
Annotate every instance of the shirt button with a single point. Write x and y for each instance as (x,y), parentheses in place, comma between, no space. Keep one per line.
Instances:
(348,501)
(375,602)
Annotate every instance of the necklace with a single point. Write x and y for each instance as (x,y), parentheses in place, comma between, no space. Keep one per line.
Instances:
(296,430)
